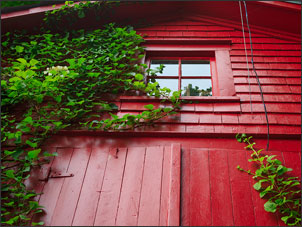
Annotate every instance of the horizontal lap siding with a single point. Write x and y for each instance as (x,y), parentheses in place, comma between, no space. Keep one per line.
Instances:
(278,66)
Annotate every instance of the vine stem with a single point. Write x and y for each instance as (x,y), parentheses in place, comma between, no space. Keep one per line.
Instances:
(261,162)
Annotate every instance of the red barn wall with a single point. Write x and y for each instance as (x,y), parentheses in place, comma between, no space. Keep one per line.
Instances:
(213,192)
(277,63)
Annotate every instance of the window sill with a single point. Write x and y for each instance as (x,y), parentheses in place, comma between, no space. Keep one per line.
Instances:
(204,99)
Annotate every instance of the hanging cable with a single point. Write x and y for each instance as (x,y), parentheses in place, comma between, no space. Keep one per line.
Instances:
(247,62)
(257,78)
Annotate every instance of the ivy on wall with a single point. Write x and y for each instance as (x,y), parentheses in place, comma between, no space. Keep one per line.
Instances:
(61,81)
(282,192)
(6,4)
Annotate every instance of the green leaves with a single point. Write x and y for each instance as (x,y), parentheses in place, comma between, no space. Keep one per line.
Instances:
(63,80)
(19,49)
(149,107)
(257,186)
(270,206)
(10,173)
(273,184)
(34,145)
(34,153)
(139,76)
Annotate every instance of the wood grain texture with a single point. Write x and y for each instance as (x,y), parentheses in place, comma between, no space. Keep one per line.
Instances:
(131,188)
(110,191)
(200,198)
(88,200)
(71,188)
(149,205)
(222,205)
(52,189)
(174,187)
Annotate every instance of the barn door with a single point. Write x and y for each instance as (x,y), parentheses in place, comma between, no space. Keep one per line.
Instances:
(215,193)
(111,186)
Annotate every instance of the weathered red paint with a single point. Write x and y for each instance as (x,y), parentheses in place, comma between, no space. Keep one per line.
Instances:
(139,183)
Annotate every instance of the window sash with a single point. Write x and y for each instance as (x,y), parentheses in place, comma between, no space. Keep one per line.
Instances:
(179,76)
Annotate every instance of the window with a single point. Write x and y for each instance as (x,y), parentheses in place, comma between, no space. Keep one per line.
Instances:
(192,75)
(192,66)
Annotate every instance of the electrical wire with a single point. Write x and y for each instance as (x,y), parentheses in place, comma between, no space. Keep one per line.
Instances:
(247,62)
(257,78)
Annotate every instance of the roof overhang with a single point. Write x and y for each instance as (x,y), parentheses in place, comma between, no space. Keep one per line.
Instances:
(282,17)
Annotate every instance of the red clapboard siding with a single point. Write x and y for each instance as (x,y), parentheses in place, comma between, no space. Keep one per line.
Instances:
(273,108)
(261,72)
(262,40)
(284,89)
(139,184)
(266,46)
(266,53)
(277,66)
(270,98)
(267,80)
(282,60)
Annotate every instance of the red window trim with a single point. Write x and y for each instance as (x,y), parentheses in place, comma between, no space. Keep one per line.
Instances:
(222,74)
(180,77)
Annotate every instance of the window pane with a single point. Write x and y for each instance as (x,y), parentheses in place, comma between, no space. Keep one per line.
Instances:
(196,87)
(169,83)
(195,68)
(170,69)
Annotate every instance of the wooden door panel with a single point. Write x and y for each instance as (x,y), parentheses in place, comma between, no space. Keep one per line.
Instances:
(70,191)
(109,193)
(90,192)
(113,186)
(131,187)
(52,189)
(200,204)
(215,193)
(149,205)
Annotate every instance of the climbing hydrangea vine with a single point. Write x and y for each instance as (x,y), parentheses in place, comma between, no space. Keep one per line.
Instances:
(65,81)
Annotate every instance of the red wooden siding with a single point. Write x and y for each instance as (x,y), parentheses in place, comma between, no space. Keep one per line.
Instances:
(136,185)
(133,178)
(139,183)
(277,63)
(215,193)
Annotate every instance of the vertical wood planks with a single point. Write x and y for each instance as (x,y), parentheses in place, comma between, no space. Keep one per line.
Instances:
(222,210)
(110,191)
(185,187)
(174,188)
(69,195)
(200,201)
(241,190)
(164,199)
(293,160)
(88,201)
(131,188)
(37,174)
(151,187)
(34,181)
(263,218)
(52,188)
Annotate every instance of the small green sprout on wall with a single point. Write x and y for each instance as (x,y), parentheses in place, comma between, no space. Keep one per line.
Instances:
(283,192)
